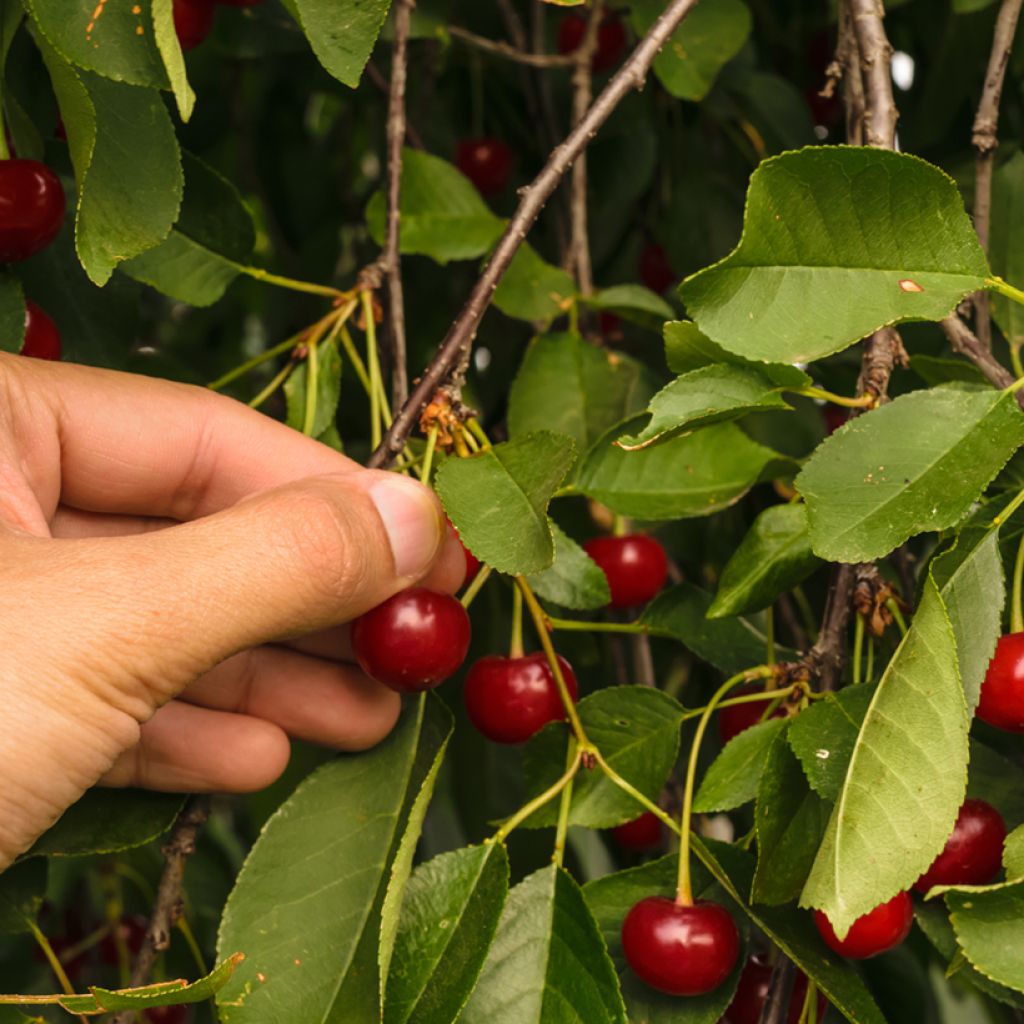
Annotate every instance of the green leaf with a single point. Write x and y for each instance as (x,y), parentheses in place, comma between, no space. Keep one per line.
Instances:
(632,301)
(214,233)
(328,390)
(127,165)
(772,559)
(914,465)
(1013,854)
(884,231)
(22,888)
(566,384)
(688,476)
(713,394)
(688,348)
(790,821)
(733,777)
(548,961)
(731,645)
(498,498)
(712,34)
(108,821)
(906,779)
(637,731)
(342,33)
(306,908)
(443,216)
(450,912)
(989,929)
(610,900)
(532,289)
(1005,250)
(170,54)
(573,580)
(12,313)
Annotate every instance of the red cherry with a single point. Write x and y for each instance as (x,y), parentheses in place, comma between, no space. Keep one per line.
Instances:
(739,717)
(131,930)
(611,39)
(609,324)
(641,834)
(42,339)
(412,641)
(973,854)
(167,1015)
(835,416)
(193,21)
(31,208)
(486,162)
(1002,693)
(684,951)
(509,699)
(636,567)
(878,930)
(752,992)
(655,270)
(472,562)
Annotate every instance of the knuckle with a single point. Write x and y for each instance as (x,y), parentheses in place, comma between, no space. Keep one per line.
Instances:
(377,721)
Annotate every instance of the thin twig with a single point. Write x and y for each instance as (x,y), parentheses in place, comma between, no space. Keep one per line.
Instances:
(454,350)
(780,992)
(828,656)
(848,57)
(509,52)
(986,139)
(965,342)
(880,115)
(412,136)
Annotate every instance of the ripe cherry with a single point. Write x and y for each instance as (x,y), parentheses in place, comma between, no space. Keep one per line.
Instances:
(486,162)
(609,325)
(738,718)
(878,930)
(681,950)
(412,641)
(509,699)
(131,930)
(42,339)
(472,562)
(655,270)
(835,416)
(641,834)
(636,567)
(31,208)
(611,39)
(193,21)
(752,993)
(973,854)
(1002,693)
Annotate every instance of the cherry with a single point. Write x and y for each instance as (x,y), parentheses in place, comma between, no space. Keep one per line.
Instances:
(31,208)
(835,416)
(472,562)
(609,324)
(1002,692)
(641,834)
(738,718)
(193,21)
(636,567)
(873,933)
(655,270)
(412,641)
(681,950)
(42,339)
(752,992)
(167,1015)
(973,854)
(131,929)
(486,162)
(611,39)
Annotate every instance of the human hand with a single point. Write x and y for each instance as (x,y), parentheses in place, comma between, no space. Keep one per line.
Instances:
(176,572)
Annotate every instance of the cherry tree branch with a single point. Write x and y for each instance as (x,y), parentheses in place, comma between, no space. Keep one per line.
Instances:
(880,115)
(454,349)
(514,53)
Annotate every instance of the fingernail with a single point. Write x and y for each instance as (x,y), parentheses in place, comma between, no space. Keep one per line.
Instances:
(412,521)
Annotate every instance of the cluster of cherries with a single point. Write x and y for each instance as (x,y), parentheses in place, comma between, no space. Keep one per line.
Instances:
(193,19)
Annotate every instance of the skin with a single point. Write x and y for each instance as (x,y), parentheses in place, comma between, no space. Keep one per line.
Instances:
(177,573)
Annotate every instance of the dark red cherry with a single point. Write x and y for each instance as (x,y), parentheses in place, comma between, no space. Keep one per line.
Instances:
(1002,692)
(636,567)
(486,162)
(193,21)
(655,270)
(878,930)
(31,208)
(472,562)
(739,717)
(412,641)
(131,930)
(684,951)
(752,992)
(42,339)
(641,834)
(611,39)
(509,699)
(609,324)
(167,1015)
(835,416)
(973,854)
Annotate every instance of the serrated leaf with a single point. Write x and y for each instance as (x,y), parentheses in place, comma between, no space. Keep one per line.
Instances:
(573,579)
(688,348)
(306,908)
(732,779)
(688,476)
(914,465)
(22,888)
(498,498)
(989,928)
(450,912)
(773,557)
(533,289)
(1005,250)
(632,301)
(810,277)
(169,48)
(548,961)
(637,731)
(328,390)
(443,216)
(1013,854)
(342,33)
(12,313)
(906,779)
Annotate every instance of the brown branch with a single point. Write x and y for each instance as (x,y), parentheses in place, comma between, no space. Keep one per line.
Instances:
(510,52)
(412,137)
(965,342)
(876,66)
(848,58)
(828,656)
(780,992)
(986,139)
(454,349)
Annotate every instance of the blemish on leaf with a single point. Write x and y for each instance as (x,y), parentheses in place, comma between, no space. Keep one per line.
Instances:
(822,755)
(907,285)
(261,977)
(297,962)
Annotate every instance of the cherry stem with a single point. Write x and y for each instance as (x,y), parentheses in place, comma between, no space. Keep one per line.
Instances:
(868,401)
(684,888)
(538,802)
(373,364)
(870,672)
(776,696)
(858,648)
(476,586)
(894,610)
(51,957)
(290,283)
(312,386)
(997,284)
(575,626)
(769,634)
(478,432)
(515,647)
(562,830)
(278,379)
(1015,361)
(357,360)
(428,455)
(1016,611)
